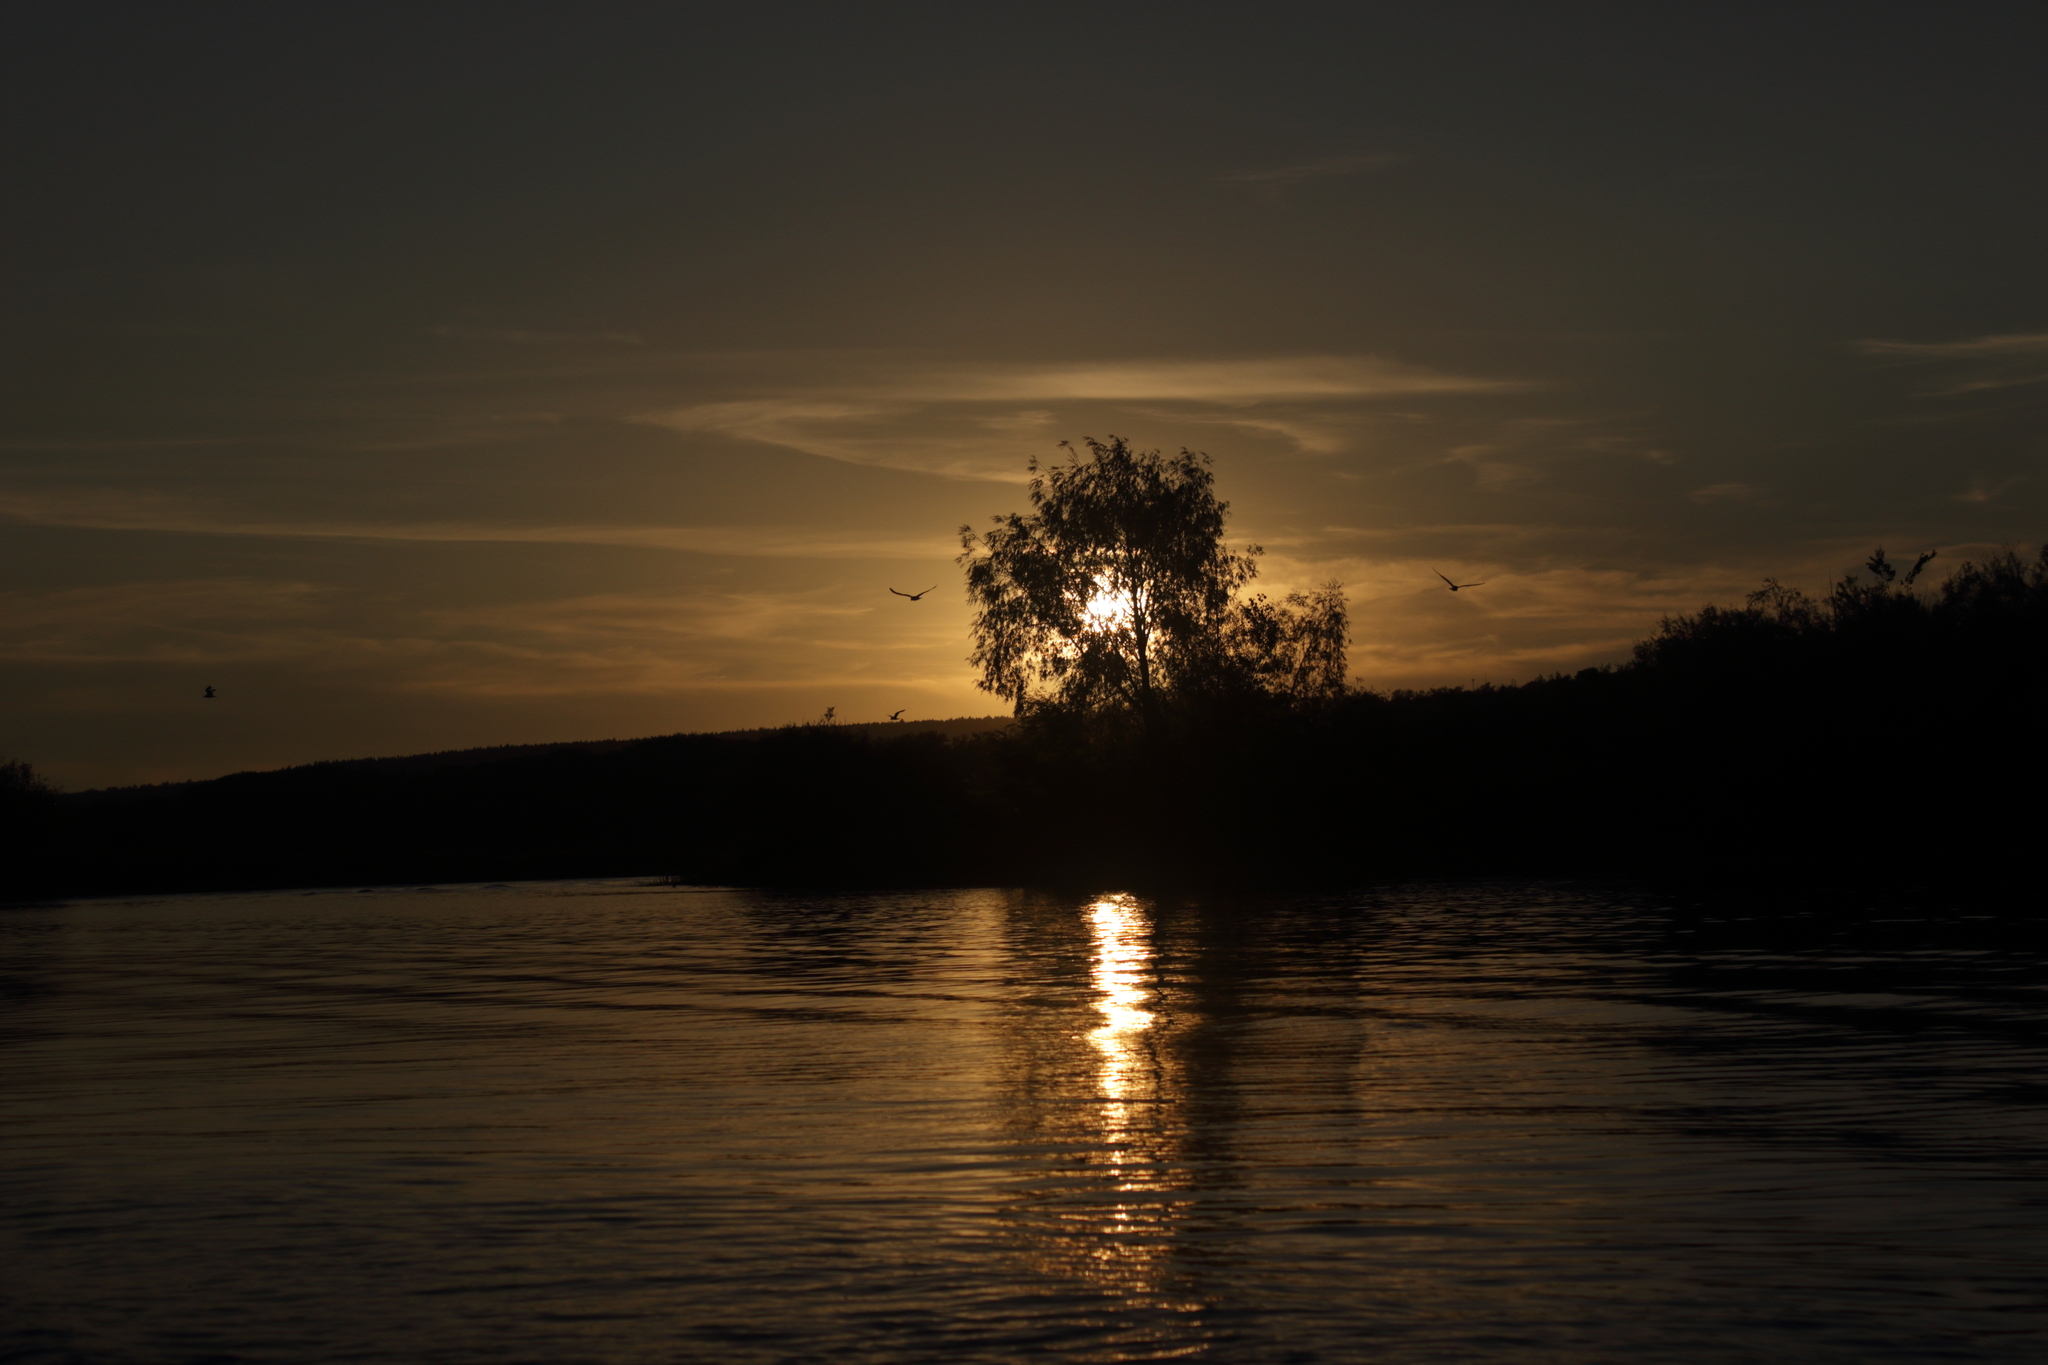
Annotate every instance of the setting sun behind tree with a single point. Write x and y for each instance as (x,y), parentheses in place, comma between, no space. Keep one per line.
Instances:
(1118,591)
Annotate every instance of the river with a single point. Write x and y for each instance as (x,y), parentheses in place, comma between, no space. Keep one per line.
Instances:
(609,1121)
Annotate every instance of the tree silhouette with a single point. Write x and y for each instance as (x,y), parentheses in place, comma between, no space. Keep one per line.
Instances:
(1117,589)
(1294,648)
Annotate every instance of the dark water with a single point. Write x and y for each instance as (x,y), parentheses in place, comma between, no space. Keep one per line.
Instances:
(609,1122)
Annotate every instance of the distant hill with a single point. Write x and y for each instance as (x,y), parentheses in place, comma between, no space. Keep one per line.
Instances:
(496,753)
(883,729)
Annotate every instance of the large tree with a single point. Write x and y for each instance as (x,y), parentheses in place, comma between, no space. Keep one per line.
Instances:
(1117,589)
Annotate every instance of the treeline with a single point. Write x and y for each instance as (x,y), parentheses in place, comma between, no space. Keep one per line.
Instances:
(1886,732)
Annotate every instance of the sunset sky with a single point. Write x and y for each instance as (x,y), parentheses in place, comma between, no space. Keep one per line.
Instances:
(425,377)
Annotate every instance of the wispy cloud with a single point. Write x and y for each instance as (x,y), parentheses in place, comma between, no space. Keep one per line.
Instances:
(1322,168)
(1517,453)
(982,421)
(517,336)
(93,445)
(615,643)
(1529,618)
(1312,433)
(1195,381)
(893,435)
(1983,490)
(2001,361)
(642,642)
(2006,343)
(666,642)
(181,621)
(93,510)
(1715,493)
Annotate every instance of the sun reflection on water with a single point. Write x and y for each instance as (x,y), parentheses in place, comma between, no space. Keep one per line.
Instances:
(1108,1212)
(1134,1219)
(1122,956)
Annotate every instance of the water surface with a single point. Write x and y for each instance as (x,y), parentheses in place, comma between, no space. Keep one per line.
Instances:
(615,1122)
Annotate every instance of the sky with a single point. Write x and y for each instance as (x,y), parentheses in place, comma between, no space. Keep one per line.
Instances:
(428,376)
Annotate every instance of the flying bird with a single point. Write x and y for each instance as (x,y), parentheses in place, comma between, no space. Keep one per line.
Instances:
(898,715)
(913,596)
(1455,586)
(209,694)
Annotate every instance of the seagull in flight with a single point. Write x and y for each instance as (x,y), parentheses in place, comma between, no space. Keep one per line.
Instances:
(913,596)
(898,715)
(209,694)
(1455,586)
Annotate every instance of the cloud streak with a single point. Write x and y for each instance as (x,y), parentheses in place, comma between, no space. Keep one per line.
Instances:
(1325,168)
(181,621)
(2003,344)
(984,421)
(515,336)
(1225,382)
(2001,361)
(103,512)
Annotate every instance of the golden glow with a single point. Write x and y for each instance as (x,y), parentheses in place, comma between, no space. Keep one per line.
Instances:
(1139,1215)
(1122,955)
(1109,608)
(1120,1110)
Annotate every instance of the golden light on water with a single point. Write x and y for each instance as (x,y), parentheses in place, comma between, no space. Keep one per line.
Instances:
(1112,1214)
(1135,1110)
(1122,956)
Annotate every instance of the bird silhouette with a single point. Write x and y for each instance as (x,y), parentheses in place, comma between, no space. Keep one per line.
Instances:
(1455,586)
(209,694)
(913,596)
(898,715)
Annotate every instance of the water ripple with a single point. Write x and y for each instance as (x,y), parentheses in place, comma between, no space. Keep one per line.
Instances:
(607,1121)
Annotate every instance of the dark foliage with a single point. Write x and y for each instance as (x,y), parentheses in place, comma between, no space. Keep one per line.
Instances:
(1879,735)
(1116,595)
(809,804)
(28,822)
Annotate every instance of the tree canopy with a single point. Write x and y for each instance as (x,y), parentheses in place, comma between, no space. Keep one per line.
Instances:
(1117,590)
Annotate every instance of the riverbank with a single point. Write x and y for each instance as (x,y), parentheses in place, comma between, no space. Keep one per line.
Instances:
(1876,737)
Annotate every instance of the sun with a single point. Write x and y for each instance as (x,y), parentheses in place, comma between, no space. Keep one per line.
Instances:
(1108,609)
